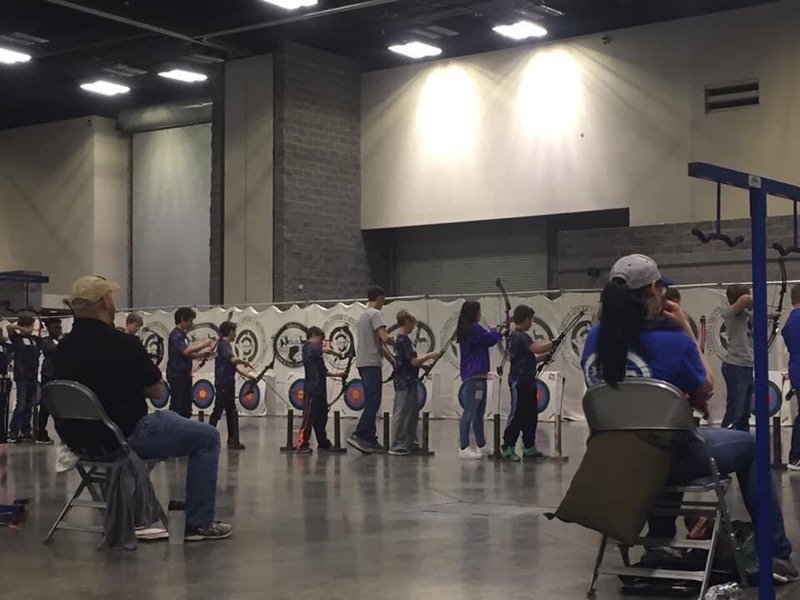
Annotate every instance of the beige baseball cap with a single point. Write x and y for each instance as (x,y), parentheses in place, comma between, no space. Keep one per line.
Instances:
(89,289)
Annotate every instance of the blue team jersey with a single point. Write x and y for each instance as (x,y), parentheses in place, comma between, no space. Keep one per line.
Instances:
(224,369)
(791,337)
(315,371)
(406,375)
(666,354)
(523,361)
(26,356)
(178,364)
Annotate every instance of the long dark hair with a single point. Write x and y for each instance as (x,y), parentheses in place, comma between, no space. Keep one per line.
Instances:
(622,319)
(466,319)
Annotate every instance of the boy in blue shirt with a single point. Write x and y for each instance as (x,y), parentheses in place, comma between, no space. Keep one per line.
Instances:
(179,361)
(48,346)
(405,413)
(25,347)
(226,365)
(315,392)
(524,416)
(791,337)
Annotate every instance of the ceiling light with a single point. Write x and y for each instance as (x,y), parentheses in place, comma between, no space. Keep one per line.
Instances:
(185,76)
(416,50)
(292,4)
(521,30)
(106,88)
(10,57)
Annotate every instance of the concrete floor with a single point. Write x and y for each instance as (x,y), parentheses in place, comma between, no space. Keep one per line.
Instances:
(330,527)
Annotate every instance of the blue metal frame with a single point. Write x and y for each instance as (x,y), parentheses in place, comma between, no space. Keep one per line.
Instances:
(759,188)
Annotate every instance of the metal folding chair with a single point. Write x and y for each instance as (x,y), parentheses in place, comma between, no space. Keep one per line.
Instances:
(72,401)
(651,405)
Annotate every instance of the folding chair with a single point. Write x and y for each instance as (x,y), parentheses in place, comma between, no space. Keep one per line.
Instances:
(650,405)
(72,401)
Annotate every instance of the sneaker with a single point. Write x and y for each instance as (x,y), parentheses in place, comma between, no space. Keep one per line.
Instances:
(509,454)
(399,452)
(794,465)
(533,452)
(377,447)
(784,570)
(13,438)
(215,531)
(44,439)
(235,445)
(326,448)
(26,437)
(469,453)
(303,450)
(485,450)
(359,445)
(151,534)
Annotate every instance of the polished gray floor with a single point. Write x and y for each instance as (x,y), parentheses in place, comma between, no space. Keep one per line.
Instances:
(330,527)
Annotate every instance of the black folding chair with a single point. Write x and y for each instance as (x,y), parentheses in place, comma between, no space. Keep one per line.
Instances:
(71,401)
(651,405)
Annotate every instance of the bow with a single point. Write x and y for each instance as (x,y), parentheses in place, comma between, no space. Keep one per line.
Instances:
(213,349)
(558,341)
(779,306)
(507,303)
(351,357)
(425,371)
(703,333)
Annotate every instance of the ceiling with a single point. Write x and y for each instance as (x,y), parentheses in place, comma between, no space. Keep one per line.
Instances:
(194,34)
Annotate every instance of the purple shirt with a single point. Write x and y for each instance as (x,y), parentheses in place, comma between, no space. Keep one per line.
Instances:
(474,351)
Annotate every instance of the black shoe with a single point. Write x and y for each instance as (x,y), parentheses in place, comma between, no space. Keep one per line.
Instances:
(303,450)
(359,445)
(44,439)
(215,531)
(325,448)
(26,437)
(784,570)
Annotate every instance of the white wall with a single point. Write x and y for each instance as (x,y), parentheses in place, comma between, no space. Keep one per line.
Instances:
(63,201)
(581,125)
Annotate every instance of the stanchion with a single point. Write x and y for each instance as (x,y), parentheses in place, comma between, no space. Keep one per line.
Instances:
(289,447)
(5,395)
(35,421)
(337,434)
(497,453)
(386,423)
(425,450)
(201,416)
(557,437)
(777,445)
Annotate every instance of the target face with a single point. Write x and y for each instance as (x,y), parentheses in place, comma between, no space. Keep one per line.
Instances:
(203,394)
(542,396)
(422,395)
(161,402)
(774,400)
(296,393)
(249,396)
(354,396)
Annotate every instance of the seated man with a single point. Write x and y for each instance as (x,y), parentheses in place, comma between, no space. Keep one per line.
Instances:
(641,334)
(116,367)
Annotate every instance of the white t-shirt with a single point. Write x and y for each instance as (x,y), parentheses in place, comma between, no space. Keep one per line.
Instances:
(368,350)
(740,337)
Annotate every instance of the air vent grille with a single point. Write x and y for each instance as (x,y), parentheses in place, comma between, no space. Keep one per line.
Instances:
(724,96)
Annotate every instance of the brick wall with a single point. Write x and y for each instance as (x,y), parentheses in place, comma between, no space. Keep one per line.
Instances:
(677,252)
(318,241)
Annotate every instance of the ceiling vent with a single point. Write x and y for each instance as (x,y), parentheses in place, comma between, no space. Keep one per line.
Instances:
(724,96)
(124,70)
(204,59)
(22,38)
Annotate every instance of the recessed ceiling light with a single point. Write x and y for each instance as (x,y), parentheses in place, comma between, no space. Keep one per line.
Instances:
(185,76)
(10,57)
(521,30)
(416,50)
(106,88)
(292,4)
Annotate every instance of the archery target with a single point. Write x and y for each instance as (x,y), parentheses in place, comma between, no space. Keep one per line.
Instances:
(542,396)
(354,396)
(249,396)
(422,395)
(160,403)
(774,399)
(203,394)
(296,392)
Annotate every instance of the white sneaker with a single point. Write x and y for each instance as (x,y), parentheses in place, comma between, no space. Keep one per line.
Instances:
(485,450)
(794,465)
(469,453)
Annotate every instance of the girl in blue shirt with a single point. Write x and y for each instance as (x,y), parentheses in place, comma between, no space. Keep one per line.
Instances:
(474,342)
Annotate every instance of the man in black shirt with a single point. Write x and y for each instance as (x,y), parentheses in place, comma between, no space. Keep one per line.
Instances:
(48,346)
(116,367)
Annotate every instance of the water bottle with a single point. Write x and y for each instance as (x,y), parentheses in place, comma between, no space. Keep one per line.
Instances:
(726,591)
(177,522)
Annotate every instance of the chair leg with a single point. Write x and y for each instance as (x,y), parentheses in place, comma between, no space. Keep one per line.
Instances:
(625,553)
(62,515)
(711,552)
(600,554)
(730,534)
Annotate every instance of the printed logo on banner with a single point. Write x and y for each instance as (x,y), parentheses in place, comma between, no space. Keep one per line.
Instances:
(422,334)
(153,338)
(339,331)
(250,342)
(203,331)
(636,367)
(718,340)
(577,337)
(288,343)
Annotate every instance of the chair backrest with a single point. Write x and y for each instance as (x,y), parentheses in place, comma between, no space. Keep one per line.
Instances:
(72,401)
(637,404)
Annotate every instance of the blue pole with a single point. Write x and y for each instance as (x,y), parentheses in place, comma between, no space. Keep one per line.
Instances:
(758,215)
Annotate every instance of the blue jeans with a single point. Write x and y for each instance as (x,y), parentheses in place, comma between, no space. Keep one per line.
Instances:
(372,378)
(735,452)
(739,381)
(474,411)
(21,420)
(164,434)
